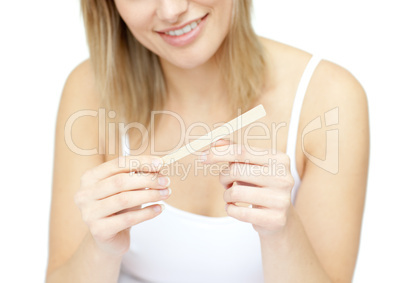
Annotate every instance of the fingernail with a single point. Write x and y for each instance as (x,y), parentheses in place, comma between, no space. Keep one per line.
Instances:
(165,192)
(159,208)
(164,181)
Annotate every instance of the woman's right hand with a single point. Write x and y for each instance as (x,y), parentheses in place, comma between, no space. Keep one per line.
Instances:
(110,199)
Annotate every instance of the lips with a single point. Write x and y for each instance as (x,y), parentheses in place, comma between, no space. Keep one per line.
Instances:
(181,26)
(180,37)
(184,30)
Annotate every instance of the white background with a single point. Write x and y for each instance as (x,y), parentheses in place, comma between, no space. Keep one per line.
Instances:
(43,40)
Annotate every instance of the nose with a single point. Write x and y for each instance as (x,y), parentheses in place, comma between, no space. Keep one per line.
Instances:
(171,10)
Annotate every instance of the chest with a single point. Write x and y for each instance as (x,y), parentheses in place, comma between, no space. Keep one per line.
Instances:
(195,186)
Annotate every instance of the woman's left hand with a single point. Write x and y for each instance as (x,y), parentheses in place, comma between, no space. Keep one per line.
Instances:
(255,177)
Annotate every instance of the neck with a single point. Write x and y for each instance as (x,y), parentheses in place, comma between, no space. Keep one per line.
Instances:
(199,87)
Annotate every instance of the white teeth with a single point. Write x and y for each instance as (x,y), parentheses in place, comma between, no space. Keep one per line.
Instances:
(179,32)
(184,30)
(187,28)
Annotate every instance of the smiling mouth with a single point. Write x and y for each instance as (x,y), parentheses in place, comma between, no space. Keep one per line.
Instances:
(184,30)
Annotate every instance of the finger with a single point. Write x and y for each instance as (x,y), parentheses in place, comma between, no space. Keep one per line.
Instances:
(256,175)
(129,209)
(263,197)
(243,154)
(109,227)
(123,164)
(263,217)
(126,182)
(126,200)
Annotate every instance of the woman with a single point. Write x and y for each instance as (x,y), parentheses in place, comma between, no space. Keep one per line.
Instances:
(199,61)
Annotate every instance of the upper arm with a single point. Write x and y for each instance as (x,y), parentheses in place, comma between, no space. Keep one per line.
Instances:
(78,100)
(331,197)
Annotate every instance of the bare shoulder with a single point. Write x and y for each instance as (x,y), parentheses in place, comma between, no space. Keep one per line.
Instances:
(333,89)
(80,86)
(78,109)
(283,58)
(332,82)
(286,58)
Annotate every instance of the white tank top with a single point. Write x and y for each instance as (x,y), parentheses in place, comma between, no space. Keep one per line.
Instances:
(181,247)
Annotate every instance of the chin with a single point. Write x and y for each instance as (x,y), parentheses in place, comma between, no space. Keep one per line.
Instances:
(188,65)
(191,60)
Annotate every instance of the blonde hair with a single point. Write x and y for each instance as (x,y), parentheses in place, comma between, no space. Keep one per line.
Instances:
(130,78)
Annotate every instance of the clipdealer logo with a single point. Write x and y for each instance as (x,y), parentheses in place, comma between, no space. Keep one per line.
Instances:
(331,161)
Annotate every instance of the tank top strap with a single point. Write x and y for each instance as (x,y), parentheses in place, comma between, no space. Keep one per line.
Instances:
(294,119)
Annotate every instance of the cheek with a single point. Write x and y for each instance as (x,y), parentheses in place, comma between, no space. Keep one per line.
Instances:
(223,7)
(223,15)
(137,16)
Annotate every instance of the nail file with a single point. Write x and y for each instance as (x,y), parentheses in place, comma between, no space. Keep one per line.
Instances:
(224,130)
